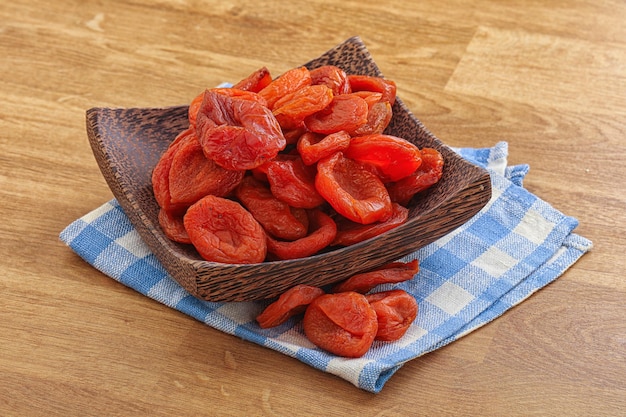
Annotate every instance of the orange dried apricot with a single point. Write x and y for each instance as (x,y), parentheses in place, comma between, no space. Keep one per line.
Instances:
(223,231)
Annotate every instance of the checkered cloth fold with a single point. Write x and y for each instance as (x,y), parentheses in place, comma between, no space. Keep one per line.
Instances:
(514,246)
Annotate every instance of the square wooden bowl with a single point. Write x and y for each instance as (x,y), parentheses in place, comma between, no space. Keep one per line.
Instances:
(127,143)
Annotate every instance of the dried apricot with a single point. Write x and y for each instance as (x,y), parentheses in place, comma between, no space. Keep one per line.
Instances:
(392,157)
(293,182)
(290,303)
(378,118)
(428,174)
(322,231)
(292,108)
(331,76)
(292,135)
(276,217)
(286,83)
(345,112)
(256,81)
(161,173)
(173,226)
(391,273)
(238,133)
(344,324)
(240,94)
(370,97)
(314,146)
(349,233)
(351,190)
(193,175)
(223,231)
(194,106)
(377,84)
(395,310)
(196,103)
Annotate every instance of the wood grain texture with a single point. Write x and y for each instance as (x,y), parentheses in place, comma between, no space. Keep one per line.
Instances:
(548,77)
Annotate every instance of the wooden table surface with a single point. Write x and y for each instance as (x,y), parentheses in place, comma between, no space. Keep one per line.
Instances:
(548,77)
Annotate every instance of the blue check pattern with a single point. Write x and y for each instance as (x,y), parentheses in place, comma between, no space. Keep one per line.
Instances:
(514,246)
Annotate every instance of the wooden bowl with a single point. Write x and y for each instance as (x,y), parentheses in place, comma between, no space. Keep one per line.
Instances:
(127,143)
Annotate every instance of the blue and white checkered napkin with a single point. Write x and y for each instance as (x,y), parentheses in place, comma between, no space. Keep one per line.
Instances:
(514,246)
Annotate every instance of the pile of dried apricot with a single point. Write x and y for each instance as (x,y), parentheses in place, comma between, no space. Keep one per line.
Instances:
(346,320)
(283,168)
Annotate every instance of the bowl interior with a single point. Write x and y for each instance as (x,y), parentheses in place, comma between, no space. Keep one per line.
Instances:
(127,144)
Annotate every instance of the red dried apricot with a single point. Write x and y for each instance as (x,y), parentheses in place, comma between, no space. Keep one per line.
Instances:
(395,310)
(322,231)
(161,174)
(377,84)
(196,103)
(222,230)
(392,157)
(194,106)
(291,109)
(345,112)
(293,182)
(370,97)
(292,135)
(276,217)
(428,174)
(288,82)
(349,233)
(256,81)
(314,146)
(344,324)
(351,190)
(193,175)
(240,94)
(378,118)
(238,133)
(173,226)
(391,273)
(292,302)
(331,76)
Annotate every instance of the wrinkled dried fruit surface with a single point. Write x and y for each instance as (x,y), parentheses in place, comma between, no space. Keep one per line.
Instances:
(428,174)
(293,182)
(349,233)
(277,217)
(290,303)
(370,97)
(322,231)
(193,175)
(223,231)
(333,77)
(194,106)
(314,146)
(345,112)
(351,190)
(161,174)
(378,119)
(319,170)
(291,109)
(286,83)
(173,226)
(237,133)
(392,157)
(256,81)
(376,84)
(395,311)
(392,273)
(344,324)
